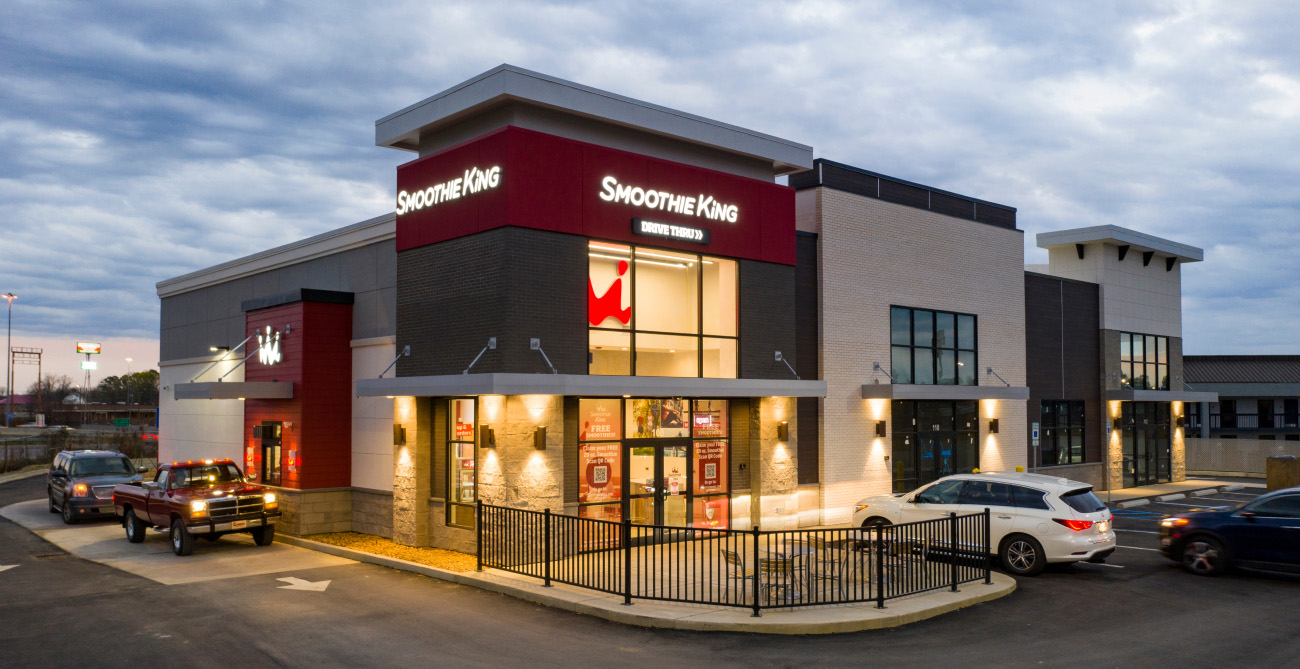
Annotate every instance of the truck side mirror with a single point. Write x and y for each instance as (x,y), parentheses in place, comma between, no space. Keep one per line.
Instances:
(58,473)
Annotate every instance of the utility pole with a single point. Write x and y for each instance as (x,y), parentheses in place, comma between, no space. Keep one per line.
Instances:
(9,368)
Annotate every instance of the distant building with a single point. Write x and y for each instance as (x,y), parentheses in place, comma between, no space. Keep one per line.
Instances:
(1259,396)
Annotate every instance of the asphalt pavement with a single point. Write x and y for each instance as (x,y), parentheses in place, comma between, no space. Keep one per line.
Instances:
(1137,609)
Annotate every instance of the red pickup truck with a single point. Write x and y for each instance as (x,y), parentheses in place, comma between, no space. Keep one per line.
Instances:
(207,498)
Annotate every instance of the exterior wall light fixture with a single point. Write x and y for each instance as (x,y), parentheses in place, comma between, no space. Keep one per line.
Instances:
(399,435)
(487,438)
(539,438)
(993,426)
(1178,422)
(783,431)
(880,428)
(1115,424)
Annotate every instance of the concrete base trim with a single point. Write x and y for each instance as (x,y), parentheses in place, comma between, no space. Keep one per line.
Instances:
(813,620)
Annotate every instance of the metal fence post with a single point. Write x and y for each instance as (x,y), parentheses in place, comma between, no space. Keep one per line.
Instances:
(988,538)
(880,566)
(546,547)
(952,547)
(478,532)
(758,573)
(627,561)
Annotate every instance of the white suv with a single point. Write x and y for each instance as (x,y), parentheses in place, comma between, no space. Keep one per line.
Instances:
(1034,519)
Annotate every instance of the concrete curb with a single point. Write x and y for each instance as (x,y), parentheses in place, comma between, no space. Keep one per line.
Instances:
(815,620)
(18,476)
(1132,503)
(1170,497)
(1202,493)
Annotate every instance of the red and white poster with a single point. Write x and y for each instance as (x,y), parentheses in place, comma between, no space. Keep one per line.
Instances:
(600,473)
(712,512)
(462,419)
(710,419)
(599,420)
(710,467)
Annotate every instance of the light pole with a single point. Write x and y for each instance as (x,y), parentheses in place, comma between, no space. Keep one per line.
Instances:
(9,347)
(128,384)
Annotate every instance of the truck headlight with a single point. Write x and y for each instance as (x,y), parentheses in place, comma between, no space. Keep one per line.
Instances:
(198,508)
(269,499)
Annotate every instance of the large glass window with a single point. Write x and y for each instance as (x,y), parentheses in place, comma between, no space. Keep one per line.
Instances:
(1144,361)
(1061,426)
(932,347)
(933,440)
(656,312)
(461,461)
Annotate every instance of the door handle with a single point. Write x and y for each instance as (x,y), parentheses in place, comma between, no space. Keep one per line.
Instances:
(1005,517)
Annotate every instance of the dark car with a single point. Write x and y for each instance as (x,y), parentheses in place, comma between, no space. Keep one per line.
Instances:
(80,483)
(1263,533)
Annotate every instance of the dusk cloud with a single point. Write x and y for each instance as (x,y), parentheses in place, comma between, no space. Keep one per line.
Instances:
(146,140)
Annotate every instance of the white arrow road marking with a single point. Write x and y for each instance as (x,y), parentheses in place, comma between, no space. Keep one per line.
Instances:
(7,567)
(296,583)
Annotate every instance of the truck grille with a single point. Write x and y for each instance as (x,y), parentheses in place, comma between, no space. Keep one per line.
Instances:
(103,491)
(228,507)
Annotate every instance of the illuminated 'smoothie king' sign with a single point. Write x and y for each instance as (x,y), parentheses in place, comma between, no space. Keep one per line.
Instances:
(474,180)
(268,347)
(703,206)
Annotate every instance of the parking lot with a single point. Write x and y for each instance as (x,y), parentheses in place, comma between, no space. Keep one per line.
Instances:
(1138,607)
(1137,528)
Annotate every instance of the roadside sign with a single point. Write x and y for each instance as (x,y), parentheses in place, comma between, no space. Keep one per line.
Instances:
(89,365)
(88,347)
(1035,431)
(121,422)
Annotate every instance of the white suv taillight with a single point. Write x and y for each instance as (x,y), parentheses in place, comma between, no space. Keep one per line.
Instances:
(1076,525)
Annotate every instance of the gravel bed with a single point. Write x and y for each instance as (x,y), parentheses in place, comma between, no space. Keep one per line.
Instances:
(433,557)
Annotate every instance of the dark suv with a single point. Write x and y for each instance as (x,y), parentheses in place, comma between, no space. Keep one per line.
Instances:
(1263,533)
(80,483)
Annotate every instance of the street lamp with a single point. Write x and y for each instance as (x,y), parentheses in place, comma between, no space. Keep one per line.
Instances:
(9,355)
(128,384)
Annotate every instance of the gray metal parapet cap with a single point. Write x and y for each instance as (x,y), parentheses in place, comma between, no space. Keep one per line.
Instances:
(1193,397)
(1114,234)
(248,390)
(401,129)
(584,385)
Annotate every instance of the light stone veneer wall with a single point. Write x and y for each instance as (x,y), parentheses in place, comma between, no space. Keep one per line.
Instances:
(516,473)
(199,429)
(873,254)
(1134,298)
(778,466)
(411,471)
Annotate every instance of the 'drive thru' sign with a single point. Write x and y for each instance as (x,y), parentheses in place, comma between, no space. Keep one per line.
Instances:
(683,233)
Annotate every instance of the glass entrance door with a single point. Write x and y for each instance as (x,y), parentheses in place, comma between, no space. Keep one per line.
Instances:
(659,480)
(1148,449)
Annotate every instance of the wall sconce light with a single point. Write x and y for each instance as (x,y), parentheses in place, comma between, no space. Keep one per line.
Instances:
(1115,424)
(880,428)
(993,426)
(783,431)
(1178,422)
(399,435)
(487,438)
(539,438)
(219,349)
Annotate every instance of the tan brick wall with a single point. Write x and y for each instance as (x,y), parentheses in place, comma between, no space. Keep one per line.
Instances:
(874,254)
(411,475)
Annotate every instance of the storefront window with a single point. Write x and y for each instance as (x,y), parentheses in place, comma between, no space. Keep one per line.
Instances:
(1144,361)
(461,469)
(1061,439)
(932,347)
(656,312)
(933,440)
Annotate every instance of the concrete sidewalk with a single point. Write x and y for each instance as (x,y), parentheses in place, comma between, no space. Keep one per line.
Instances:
(1128,497)
(829,619)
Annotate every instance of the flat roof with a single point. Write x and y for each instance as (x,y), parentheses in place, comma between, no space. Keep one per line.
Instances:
(506,83)
(1114,234)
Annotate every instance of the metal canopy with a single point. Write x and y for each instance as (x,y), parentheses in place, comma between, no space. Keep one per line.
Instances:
(248,390)
(1160,396)
(907,391)
(583,384)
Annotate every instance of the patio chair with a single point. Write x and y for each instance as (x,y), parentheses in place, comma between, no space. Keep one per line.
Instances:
(736,571)
(778,575)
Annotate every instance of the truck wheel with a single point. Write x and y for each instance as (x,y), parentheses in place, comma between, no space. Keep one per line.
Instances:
(49,494)
(134,527)
(182,541)
(264,535)
(68,517)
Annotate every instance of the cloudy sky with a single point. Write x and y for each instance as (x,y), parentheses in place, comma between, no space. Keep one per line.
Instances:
(143,140)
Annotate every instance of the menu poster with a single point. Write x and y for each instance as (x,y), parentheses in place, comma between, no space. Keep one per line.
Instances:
(600,468)
(712,512)
(710,468)
(598,420)
(710,419)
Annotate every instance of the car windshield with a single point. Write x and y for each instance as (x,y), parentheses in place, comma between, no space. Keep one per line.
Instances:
(200,475)
(97,466)
(1083,500)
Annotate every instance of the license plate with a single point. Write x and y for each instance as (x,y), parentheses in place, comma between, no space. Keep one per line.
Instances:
(239,525)
(1103,527)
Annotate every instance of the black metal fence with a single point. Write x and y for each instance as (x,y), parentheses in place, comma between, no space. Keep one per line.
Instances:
(754,569)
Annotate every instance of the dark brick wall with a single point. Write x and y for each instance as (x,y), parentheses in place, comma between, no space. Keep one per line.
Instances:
(806,339)
(738,417)
(767,318)
(508,283)
(1063,352)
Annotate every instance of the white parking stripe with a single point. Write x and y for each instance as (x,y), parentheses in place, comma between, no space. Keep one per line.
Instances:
(1120,529)
(1139,549)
